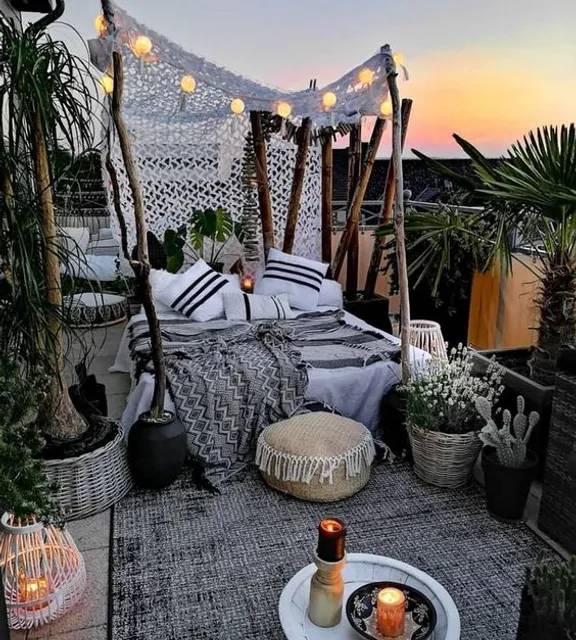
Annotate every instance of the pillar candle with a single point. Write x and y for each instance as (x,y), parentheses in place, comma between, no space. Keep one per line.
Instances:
(391,612)
(331,538)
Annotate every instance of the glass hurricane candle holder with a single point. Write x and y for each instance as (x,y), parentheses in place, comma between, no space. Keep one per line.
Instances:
(43,572)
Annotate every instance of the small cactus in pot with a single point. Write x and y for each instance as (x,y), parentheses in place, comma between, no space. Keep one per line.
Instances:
(511,440)
(509,467)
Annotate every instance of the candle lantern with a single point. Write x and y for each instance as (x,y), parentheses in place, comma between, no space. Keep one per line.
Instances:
(327,584)
(391,612)
(43,572)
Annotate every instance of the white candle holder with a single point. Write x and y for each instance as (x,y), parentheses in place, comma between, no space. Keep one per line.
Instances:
(44,573)
(326,593)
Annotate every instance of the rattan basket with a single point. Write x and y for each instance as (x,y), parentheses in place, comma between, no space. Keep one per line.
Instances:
(444,459)
(93,481)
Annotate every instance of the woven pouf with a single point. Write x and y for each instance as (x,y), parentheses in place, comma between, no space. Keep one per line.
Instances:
(319,456)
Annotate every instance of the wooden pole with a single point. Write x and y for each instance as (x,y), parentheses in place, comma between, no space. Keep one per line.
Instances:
(358,199)
(327,187)
(386,210)
(354,169)
(262,178)
(297,184)
(399,225)
(143,271)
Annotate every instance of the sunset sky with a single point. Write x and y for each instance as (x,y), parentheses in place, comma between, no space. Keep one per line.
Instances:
(489,70)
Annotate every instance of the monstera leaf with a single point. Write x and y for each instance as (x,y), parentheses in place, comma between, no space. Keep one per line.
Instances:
(211,224)
(174,242)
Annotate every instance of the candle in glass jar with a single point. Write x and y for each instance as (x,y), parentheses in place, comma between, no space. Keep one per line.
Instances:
(391,612)
(331,538)
(247,284)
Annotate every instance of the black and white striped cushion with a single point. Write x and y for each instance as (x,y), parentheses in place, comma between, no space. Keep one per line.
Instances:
(246,306)
(300,278)
(197,293)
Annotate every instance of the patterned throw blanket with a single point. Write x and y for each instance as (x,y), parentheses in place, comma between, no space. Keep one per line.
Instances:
(230,380)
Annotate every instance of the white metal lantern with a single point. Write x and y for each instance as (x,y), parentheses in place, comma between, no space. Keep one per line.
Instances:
(427,335)
(43,571)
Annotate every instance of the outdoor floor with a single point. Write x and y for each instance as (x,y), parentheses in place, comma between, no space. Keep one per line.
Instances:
(89,619)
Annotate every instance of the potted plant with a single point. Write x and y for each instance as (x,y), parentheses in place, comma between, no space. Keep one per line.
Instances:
(530,194)
(48,104)
(441,420)
(509,467)
(207,236)
(548,604)
(157,440)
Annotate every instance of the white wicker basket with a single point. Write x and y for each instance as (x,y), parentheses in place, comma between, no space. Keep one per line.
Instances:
(93,481)
(43,572)
(444,459)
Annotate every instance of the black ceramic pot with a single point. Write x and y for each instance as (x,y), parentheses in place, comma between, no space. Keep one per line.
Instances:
(156,450)
(507,488)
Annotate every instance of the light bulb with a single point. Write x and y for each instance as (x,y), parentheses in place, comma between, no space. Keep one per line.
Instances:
(142,46)
(237,106)
(385,108)
(329,99)
(107,84)
(188,84)
(366,76)
(100,24)
(283,109)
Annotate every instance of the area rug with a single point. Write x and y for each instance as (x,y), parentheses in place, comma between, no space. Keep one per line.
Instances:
(188,565)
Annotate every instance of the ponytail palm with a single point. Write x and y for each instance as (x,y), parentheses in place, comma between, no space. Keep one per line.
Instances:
(531,191)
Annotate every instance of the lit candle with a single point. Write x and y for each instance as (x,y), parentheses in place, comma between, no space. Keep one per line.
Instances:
(32,589)
(391,612)
(331,537)
(248,283)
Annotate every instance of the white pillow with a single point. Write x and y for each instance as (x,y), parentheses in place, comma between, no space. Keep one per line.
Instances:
(331,294)
(197,293)
(246,306)
(300,278)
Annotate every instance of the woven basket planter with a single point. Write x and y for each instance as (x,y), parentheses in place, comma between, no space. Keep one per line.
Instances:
(94,481)
(444,459)
(558,505)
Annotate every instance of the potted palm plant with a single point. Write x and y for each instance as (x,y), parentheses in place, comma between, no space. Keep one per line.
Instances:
(509,467)
(440,417)
(531,192)
(548,604)
(47,104)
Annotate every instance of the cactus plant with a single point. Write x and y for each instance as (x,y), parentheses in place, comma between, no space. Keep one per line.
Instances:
(553,590)
(511,439)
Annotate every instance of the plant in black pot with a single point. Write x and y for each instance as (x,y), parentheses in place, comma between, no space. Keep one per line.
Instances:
(157,441)
(548,605)
(509,467)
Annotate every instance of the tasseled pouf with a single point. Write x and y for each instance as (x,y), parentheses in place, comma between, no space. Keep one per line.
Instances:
(320,457)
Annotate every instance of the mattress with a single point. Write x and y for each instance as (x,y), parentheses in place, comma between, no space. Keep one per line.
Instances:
(355,392)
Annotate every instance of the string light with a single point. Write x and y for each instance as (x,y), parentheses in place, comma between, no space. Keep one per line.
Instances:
(142,46)
(237,106)
(399,59)
(284,109)
(188,84)
(100,24)
(329,99)
(107,84)
(366,76)
(385,108)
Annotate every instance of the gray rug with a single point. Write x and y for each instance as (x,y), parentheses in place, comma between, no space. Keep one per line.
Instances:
(188,565)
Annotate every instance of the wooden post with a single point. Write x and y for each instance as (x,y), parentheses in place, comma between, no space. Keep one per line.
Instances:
(386,210)
(358,199)
(297,184)
(399,226)
(354,169)
(262,178)
(327,186)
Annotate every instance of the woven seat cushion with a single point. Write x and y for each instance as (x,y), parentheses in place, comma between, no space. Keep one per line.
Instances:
(319,457)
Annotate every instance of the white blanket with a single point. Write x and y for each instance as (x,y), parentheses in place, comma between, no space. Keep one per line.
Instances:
(356,393)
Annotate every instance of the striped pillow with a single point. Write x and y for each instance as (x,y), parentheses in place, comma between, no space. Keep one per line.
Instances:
(197,293)
(246,306)
(300,278)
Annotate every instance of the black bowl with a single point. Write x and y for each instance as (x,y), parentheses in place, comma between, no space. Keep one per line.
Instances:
(361,612)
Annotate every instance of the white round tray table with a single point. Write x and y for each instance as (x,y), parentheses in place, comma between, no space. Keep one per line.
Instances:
(360,569)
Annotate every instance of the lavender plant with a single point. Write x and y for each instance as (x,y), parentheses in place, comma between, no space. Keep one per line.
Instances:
(441,398)
(511,440)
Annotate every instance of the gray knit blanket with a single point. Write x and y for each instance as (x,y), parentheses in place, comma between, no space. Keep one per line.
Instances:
(229,380)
